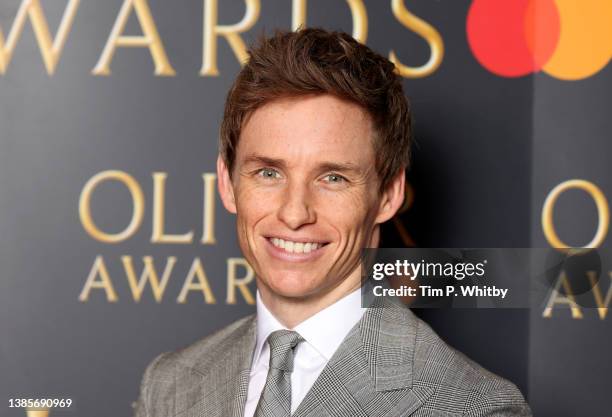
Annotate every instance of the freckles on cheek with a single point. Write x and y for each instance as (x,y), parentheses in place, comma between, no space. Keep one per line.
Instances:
(254,205)
(353,203)
(348,213)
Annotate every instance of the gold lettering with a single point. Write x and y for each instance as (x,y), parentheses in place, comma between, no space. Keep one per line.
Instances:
(427,32)
(231,33)
(602,305)
(150,39)
(37,413)
(105,283)
(603,212)
(148,274)
(240,283)
(49,49)
(358,13)
(159,211)
(85,206)
(208,220)
(567,299)
(197,270)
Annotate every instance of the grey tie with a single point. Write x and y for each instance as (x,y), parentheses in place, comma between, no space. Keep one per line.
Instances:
(275,400)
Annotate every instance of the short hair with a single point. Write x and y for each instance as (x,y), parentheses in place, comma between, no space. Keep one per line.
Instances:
(317,61)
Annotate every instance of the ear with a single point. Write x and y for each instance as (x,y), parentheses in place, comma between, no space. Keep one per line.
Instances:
(225,186)
(392,197)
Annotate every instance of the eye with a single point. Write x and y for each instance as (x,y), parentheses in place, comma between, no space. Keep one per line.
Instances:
(334,179)
(268,173)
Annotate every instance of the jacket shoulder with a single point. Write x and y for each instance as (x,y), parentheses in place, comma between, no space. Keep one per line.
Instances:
(158,385)
(206,351)
(201,353)
(459,382)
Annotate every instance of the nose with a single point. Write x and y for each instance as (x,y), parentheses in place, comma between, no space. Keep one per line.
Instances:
(296,208)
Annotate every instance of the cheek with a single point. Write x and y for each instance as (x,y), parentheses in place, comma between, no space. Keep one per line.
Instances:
(252,206)
(250,202)
(349,212)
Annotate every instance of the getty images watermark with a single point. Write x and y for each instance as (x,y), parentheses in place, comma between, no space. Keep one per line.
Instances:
(487,278)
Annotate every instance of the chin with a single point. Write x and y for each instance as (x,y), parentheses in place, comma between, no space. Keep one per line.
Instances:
(291,285)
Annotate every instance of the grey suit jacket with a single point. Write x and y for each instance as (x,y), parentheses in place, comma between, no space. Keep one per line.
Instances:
(390,364)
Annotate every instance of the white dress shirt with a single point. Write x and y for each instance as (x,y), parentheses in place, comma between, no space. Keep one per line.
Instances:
(323,333)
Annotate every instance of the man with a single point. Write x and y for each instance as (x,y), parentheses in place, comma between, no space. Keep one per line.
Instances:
(314,144)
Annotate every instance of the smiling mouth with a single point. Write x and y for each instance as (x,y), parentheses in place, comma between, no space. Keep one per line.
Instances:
(290,246)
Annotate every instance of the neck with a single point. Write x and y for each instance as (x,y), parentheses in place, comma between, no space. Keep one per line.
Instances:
(291,311)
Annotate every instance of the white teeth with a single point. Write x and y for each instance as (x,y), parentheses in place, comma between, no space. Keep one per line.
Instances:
(295,247)
(289,246)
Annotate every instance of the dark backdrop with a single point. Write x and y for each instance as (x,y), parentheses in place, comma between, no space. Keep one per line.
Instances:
(489,149)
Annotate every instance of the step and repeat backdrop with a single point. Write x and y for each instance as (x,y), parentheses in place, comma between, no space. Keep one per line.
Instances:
(114,246)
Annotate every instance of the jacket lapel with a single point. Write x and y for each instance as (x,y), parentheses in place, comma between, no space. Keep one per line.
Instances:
(371,373)
(218,384)
(332,393)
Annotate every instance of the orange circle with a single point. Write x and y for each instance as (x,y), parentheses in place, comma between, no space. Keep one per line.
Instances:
(585,43)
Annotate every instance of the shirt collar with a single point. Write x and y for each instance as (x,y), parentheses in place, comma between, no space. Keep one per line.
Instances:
(266,324)
(324,331)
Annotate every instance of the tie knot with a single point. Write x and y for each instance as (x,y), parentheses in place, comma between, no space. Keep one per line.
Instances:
(281,344)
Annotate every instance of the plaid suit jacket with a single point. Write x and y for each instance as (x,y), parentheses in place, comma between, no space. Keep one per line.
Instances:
(390,364)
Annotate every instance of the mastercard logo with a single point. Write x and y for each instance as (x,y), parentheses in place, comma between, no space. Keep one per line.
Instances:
(566,39)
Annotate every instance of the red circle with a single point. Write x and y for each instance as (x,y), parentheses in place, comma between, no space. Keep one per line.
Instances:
(513,38)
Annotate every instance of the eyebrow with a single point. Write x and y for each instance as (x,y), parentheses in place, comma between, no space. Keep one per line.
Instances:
(340,167)
(323,166)
(259,159)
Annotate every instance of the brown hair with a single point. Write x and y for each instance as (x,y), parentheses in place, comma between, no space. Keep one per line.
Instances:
(316,61)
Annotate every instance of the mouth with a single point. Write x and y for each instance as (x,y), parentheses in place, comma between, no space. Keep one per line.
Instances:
(302,249)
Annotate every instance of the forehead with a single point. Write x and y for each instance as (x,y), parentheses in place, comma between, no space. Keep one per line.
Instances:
(309,128)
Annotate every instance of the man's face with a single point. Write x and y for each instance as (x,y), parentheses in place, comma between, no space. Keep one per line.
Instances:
(305,191)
